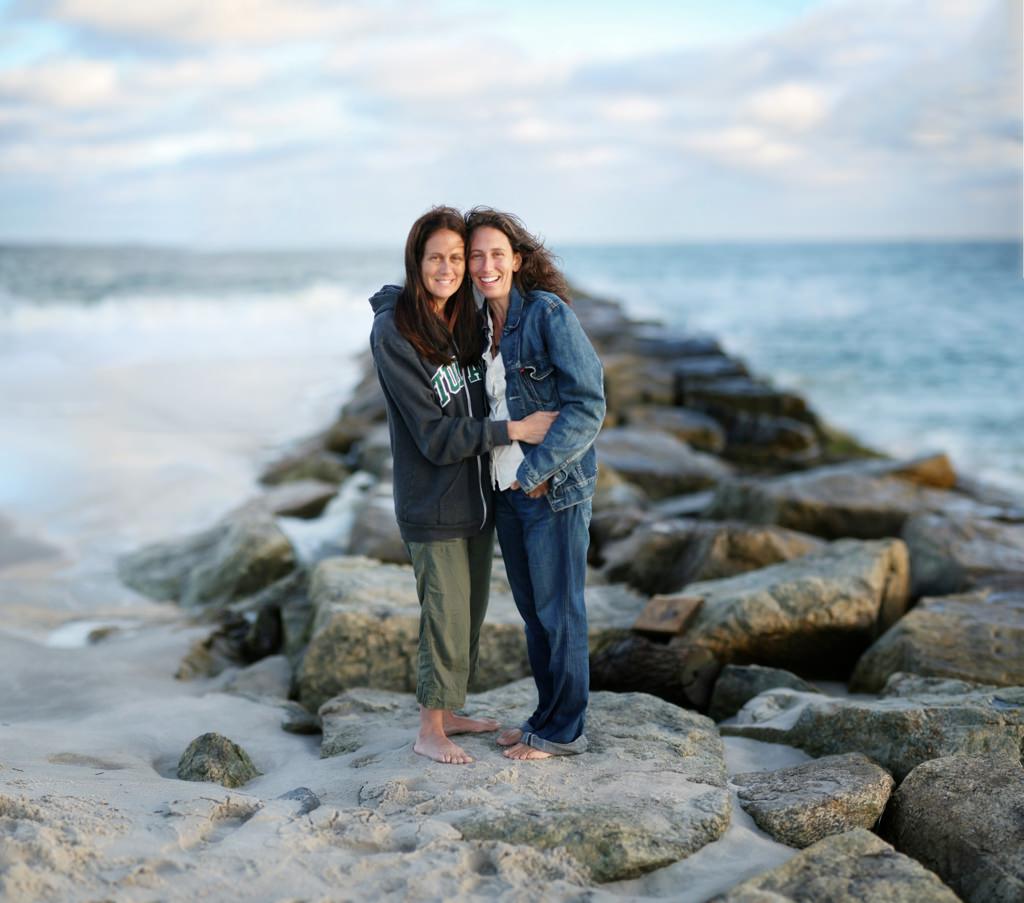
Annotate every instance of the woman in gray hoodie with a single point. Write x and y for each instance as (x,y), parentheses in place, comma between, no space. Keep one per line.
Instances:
(426,343)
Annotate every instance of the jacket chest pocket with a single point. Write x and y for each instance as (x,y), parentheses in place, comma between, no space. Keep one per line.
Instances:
(538,379)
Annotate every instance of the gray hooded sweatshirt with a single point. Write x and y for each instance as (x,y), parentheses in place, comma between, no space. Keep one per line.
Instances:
(440,434)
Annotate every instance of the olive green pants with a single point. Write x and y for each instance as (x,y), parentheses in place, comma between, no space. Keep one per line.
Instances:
(453,579)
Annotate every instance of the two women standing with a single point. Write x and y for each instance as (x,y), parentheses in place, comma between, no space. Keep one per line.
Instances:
(507,397)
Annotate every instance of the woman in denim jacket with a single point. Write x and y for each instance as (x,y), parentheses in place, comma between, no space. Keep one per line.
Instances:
(539,359)
(426,344)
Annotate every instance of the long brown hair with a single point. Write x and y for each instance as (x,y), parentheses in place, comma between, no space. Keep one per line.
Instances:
(539,269)
(458,334)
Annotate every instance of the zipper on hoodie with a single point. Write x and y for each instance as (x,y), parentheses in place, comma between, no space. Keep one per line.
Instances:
(479,467)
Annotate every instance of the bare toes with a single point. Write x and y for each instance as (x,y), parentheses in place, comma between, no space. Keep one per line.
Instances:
(521,752)
(510,737)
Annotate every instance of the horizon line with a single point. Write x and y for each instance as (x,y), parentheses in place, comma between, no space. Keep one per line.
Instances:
(10,243)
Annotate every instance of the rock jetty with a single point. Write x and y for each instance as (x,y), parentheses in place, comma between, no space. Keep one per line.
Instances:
(791,554)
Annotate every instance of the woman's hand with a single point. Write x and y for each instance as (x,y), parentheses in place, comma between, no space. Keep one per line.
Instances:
(532,428)
(538,492)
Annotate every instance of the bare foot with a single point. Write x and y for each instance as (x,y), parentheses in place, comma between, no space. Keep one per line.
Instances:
(459,724)
(510,736)
(523,753)
(441,749)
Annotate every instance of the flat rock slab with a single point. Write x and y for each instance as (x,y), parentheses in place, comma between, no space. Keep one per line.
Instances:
(305,498)
(738,684)
(803,804)
(771,442)
(865,501)
(815,613)
(976,637)
(845,868)
(366,629)
(650,790)
(658,462)
(898,732)
(903,683)
(665,555)
(695,428)
(309,461)
(963,817)
(952,554)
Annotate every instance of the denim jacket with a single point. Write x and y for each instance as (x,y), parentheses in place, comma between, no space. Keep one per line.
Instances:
(550,365)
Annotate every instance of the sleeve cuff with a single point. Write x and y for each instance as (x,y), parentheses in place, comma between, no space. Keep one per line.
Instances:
(497,431)
(527,478)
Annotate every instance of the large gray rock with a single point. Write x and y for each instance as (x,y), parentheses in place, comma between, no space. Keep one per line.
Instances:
(375,532)
(767,442)
(738,684)
(724,397)
(663,556)
(289,596)
(366,629)
(845,868)
(897,732)
(372,452)
(963,817)
(618,508)
(650,790)
(631,380)
(706,368)
(366,403)
(977,637)
(308,461)
(213,757)
(240,555)
(604,321)
(680,674)
(801,805)
(347,431)
(953,554)
(816,613)
(658,463)
(698,430)
(865,499)
(269,678)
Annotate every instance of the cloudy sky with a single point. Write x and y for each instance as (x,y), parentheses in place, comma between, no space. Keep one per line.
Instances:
(319,122)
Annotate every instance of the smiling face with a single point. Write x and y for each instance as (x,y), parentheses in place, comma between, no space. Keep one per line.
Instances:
(492,262)
(443,265)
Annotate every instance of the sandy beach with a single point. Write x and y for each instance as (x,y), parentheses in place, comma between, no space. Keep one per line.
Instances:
(91,807)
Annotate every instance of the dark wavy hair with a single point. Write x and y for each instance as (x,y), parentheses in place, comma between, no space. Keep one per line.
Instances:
(458,334)
(539,270)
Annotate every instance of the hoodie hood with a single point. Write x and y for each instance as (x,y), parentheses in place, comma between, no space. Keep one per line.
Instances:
(385,299)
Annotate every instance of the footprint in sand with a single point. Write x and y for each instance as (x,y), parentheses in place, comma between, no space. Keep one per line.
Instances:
(208,821)
(70,758)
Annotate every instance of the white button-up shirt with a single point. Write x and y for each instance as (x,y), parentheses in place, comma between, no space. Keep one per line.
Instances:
(505,459)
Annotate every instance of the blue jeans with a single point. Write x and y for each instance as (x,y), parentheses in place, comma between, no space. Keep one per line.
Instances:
(545,554)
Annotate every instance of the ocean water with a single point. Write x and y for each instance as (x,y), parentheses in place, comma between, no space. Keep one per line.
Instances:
(141,389)
(911,347)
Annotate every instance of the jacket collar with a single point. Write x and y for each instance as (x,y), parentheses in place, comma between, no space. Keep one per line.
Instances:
(515,309)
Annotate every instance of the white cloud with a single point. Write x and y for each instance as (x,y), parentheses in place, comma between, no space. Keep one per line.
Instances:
(71,84)
(742,145)
(213,21)
(793,106)
(634,109)
(585,158)
(897,95)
